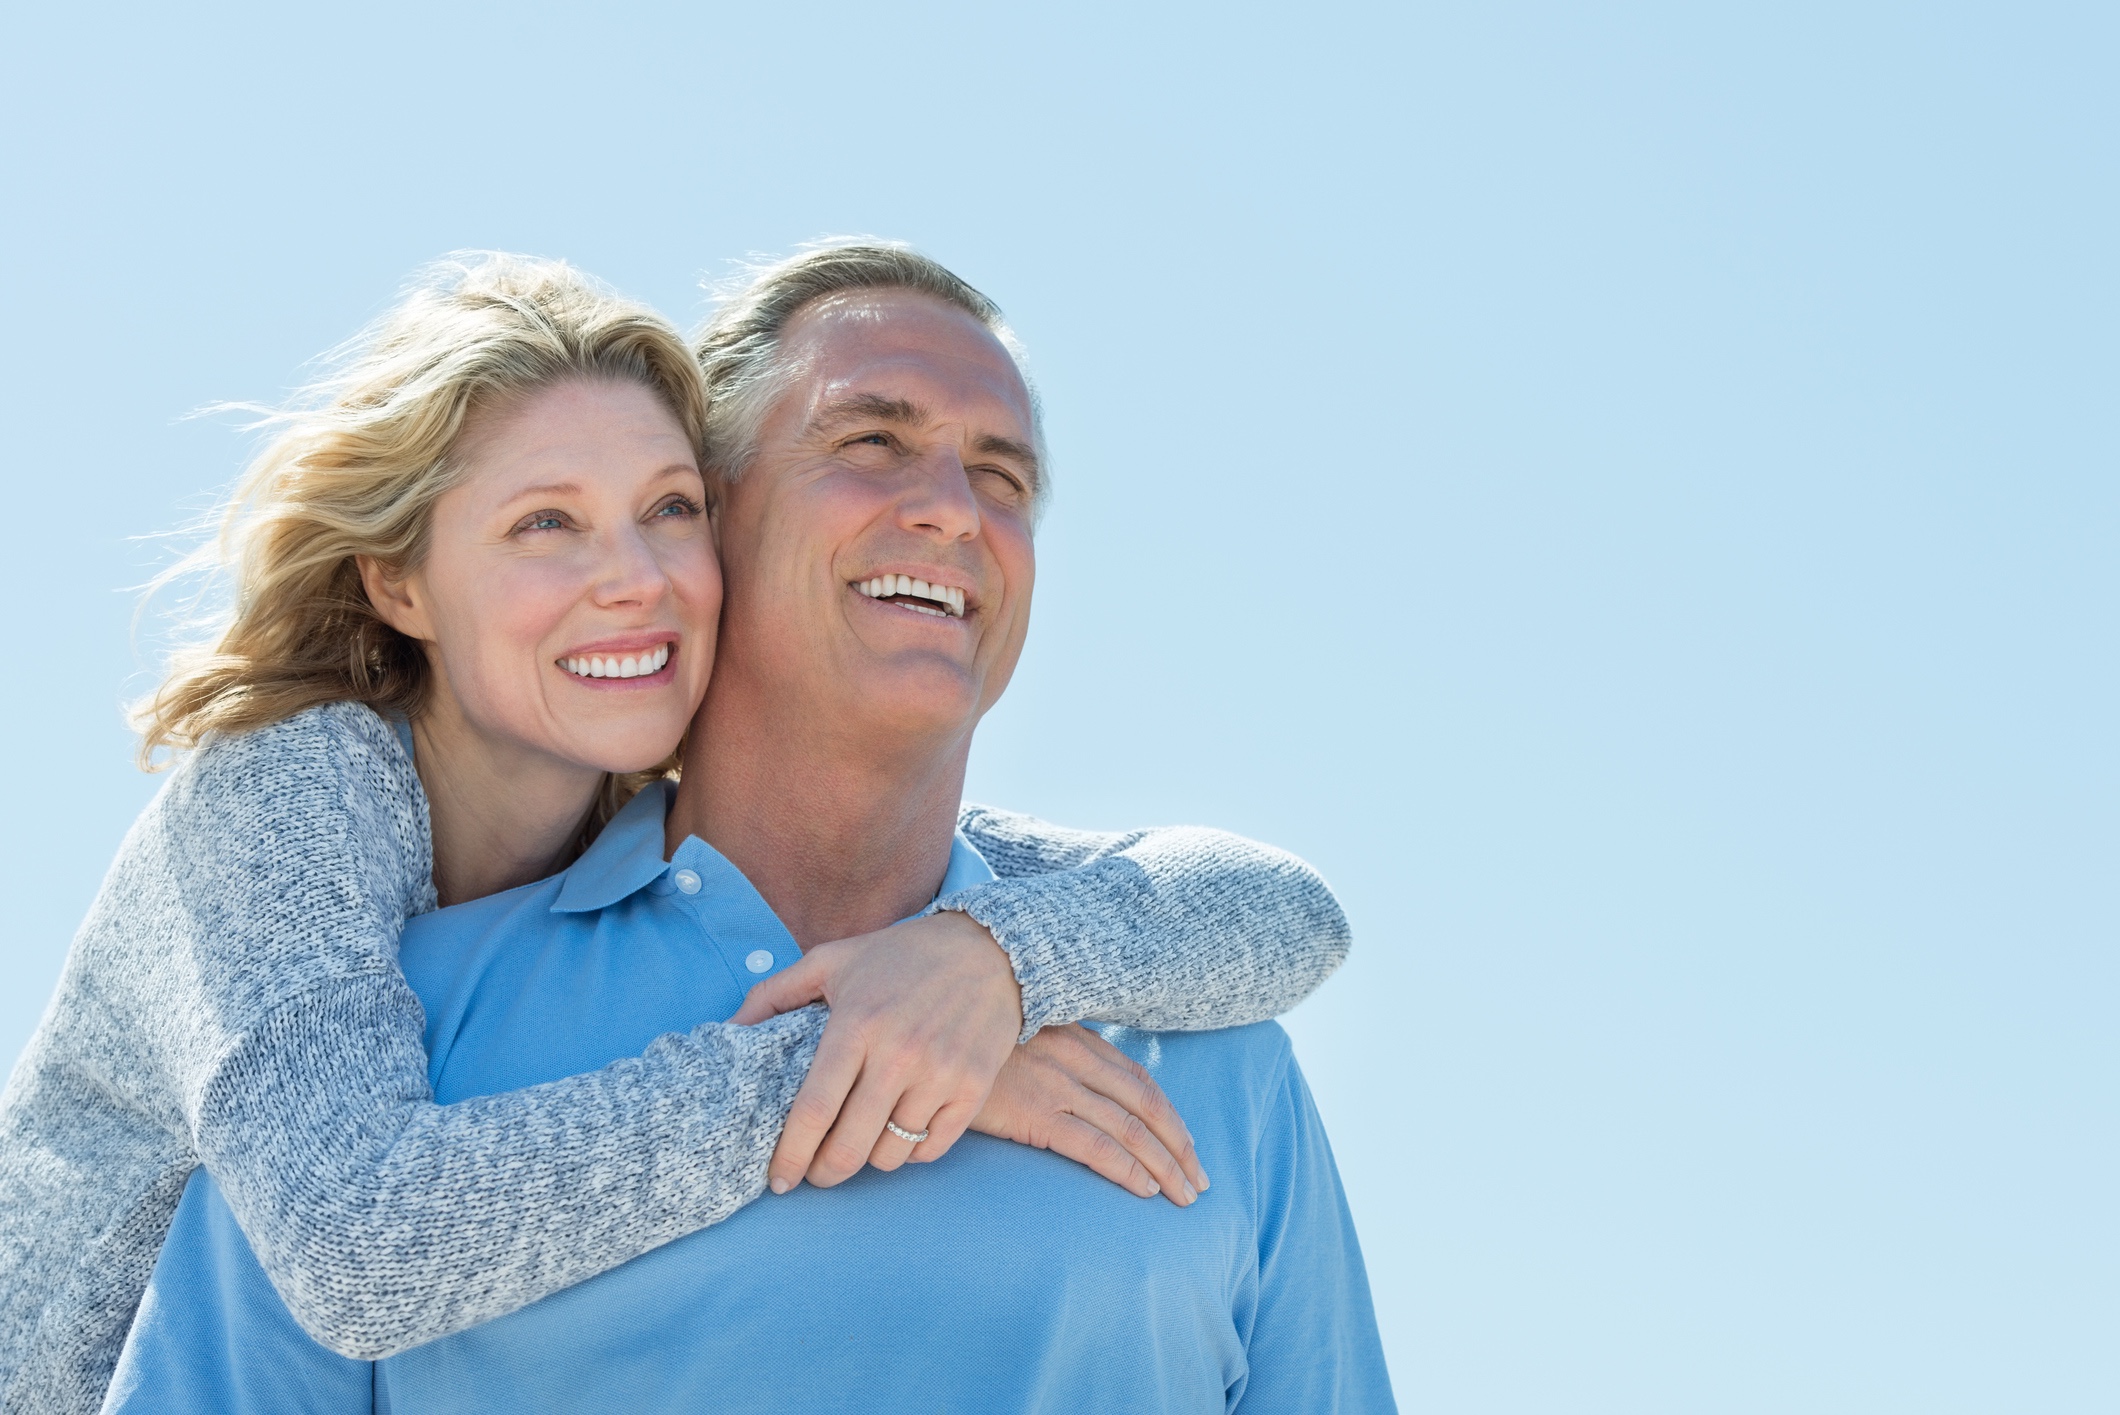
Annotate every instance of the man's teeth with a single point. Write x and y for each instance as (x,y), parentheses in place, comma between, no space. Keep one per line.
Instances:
(616,665)
(888,586)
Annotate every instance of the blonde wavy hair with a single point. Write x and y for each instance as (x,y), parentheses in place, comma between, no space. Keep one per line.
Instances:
(354,466)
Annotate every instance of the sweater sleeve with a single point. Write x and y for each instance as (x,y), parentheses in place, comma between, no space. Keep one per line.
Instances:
(386,1220)
(296,1050)
(1179,929)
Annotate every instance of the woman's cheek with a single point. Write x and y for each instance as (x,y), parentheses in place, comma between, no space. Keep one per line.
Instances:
(696,575)
(526,611)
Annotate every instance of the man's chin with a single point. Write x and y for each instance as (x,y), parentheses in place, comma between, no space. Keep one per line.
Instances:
(917,695)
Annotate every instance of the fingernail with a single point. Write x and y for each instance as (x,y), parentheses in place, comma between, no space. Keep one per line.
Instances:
(1191,1193)
(781,1186)
(1203,1180)
(1154,1188)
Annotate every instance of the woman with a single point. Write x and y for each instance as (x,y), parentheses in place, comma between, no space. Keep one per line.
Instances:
(432,686)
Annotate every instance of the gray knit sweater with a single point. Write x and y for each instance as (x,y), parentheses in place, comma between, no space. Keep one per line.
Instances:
(234,1000)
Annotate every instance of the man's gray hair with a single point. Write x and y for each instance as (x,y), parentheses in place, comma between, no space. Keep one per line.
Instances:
(739,348)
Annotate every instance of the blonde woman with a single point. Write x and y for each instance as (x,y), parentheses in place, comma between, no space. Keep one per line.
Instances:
(474,606)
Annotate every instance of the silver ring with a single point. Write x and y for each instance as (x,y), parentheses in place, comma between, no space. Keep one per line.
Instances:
(909,1136)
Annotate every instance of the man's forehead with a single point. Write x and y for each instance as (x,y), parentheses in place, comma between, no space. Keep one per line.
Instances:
(905,348)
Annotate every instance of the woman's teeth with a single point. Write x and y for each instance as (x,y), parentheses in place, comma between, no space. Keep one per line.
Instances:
(949,597)
(613,665)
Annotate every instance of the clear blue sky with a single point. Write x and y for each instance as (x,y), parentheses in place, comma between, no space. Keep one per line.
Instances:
(1629,491)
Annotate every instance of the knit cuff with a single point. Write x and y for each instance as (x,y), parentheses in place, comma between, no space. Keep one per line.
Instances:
(1036,955)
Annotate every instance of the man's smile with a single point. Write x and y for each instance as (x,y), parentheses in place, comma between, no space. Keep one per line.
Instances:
(917,595)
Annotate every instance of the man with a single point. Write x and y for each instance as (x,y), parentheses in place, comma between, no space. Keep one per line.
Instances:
(882,470)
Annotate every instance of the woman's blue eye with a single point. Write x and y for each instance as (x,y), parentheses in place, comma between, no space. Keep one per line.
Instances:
(680,508)
(546,523)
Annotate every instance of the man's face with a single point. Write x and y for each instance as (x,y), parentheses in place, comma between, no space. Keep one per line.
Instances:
(900,455)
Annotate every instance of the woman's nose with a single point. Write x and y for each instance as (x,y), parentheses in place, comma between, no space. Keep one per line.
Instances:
(628,571)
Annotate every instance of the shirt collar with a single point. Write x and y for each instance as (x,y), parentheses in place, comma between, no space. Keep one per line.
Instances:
(625,859)
(628,857)
(967,868)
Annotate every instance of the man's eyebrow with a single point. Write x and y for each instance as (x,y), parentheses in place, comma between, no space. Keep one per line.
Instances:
(903,412)
(1022,452)
(868,405)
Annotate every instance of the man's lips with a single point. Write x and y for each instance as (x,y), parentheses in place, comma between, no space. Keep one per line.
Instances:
(910,592)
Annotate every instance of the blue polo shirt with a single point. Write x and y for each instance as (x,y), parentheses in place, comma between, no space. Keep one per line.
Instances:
(1000,1278)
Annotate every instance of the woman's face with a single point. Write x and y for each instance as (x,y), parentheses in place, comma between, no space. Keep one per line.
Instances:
(570,591)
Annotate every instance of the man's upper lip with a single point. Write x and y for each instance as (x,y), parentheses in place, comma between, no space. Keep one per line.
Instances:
(625,643)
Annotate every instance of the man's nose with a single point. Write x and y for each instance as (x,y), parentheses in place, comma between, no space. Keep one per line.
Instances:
(938,498)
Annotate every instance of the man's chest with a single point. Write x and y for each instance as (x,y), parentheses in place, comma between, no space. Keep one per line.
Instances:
(581,991)
(997,1278)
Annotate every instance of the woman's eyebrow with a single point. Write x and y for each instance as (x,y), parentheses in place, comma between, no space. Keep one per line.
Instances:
(561,488)
(568,488)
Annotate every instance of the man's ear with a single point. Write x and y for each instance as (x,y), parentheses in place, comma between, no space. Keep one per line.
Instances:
(396,599)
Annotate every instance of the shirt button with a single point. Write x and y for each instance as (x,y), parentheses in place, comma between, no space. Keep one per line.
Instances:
(760,961)
(687,881)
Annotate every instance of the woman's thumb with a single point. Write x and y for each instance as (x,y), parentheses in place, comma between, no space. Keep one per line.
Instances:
(797,985)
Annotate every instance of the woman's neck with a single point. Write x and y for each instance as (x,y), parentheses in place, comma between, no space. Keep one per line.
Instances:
(501,816)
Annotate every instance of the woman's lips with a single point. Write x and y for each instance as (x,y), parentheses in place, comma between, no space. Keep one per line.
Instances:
(614,663)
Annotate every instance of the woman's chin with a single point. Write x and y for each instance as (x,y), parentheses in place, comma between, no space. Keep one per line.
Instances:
(627,758)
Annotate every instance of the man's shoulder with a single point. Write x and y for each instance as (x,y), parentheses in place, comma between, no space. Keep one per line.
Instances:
(1255,1046)
(512,913)
(1237,1070)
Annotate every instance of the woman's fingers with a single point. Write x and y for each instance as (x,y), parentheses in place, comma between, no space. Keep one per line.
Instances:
(817,1105)
(797,985)
(1111,1072)
(856,1135)
(933,1003)
(944,1130)
(1085,1144)
(919,1112)
(1139,1142)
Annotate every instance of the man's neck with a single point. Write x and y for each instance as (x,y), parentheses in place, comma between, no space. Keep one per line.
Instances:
(841,831)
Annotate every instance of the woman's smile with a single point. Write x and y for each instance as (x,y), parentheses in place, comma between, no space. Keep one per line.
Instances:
(616,664)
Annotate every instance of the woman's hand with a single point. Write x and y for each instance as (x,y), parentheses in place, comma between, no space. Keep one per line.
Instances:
(924,1013)
(1070,1091)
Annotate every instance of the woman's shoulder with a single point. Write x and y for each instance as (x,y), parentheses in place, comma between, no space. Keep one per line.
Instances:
(332,752)
(333,739)
(337,771)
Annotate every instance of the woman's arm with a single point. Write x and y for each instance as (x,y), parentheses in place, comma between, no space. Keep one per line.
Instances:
(242,981)
(1178,929)
(386,1220)
(292,1050)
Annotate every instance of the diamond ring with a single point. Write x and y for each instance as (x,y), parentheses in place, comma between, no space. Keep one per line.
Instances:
(911,1137)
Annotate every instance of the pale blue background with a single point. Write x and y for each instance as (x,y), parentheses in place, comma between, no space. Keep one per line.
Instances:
(1631,495)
